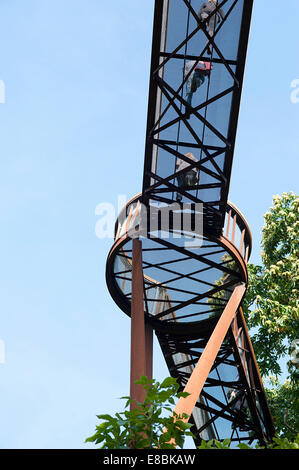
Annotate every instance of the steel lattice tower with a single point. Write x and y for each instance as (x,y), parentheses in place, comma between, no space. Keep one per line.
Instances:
(190,293)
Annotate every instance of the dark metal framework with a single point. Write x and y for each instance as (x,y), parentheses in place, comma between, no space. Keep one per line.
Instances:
(183,308)
(187,290)
(235,352)
(160,188)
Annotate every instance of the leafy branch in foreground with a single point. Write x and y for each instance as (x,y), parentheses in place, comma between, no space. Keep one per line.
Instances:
(278,443)
(151,424)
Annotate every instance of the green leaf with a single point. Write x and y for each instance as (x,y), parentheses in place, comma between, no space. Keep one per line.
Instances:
(244,446)
(183,394)
(105,417)
(169,382)
(142,381)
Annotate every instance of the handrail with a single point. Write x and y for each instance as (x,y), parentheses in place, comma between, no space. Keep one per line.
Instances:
(236,228)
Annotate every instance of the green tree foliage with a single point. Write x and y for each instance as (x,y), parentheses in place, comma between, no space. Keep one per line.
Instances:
(151,424)
(145,426)
(271,307)
(284,405)
(273,287)
(278,443)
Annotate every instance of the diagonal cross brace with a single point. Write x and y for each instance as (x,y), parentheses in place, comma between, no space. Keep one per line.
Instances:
(201,371)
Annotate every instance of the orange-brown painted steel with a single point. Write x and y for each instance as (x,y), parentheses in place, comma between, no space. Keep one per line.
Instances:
(141,334)
(204,365)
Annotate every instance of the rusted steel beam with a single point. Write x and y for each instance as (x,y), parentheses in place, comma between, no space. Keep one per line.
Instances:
(205,363)
(228,223)
(141,334)
(242,240)
(234,229)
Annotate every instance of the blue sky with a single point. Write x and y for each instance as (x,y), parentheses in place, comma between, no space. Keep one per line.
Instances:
(72,136)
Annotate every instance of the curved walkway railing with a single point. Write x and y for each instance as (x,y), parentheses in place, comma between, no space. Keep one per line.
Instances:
(235,243)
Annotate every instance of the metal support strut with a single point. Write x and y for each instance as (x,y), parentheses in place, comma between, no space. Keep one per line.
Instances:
(141,332)
(206,360)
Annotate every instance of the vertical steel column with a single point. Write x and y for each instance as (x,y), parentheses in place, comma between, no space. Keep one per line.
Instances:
(141,334)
